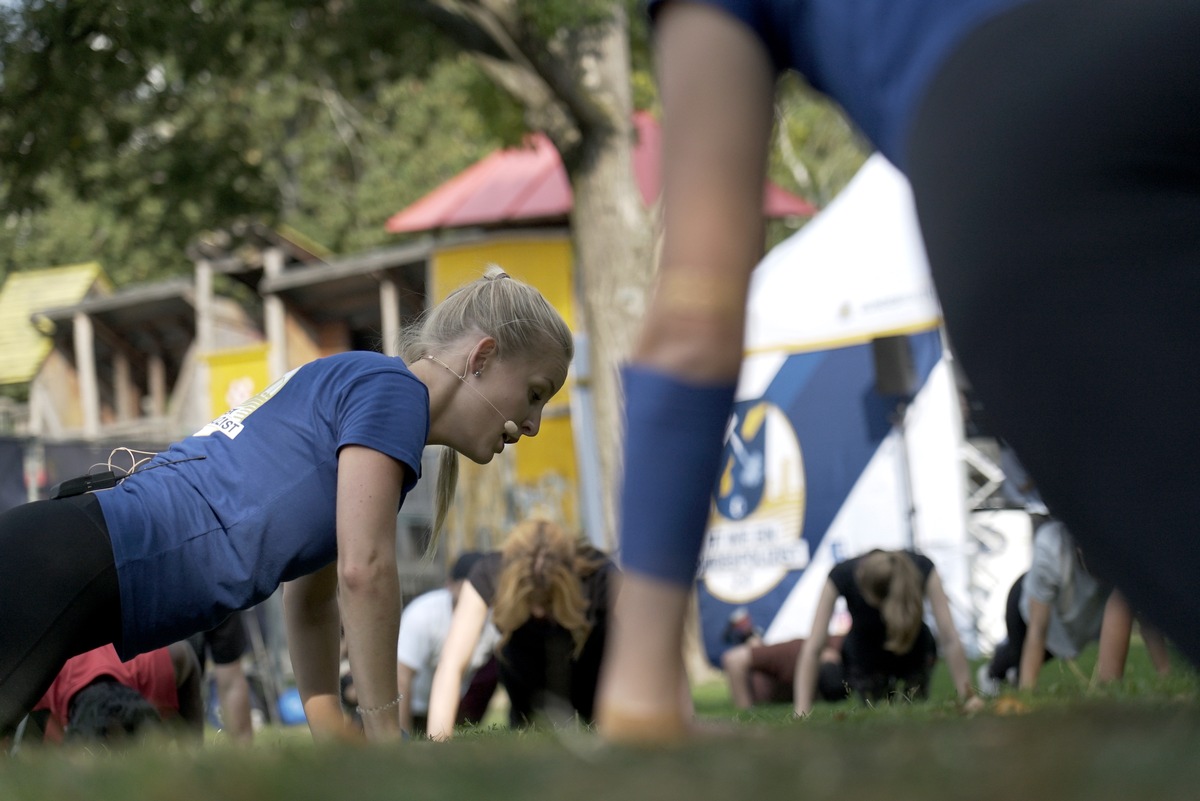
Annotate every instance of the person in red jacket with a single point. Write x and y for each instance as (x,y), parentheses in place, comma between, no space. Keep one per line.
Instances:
(97,696)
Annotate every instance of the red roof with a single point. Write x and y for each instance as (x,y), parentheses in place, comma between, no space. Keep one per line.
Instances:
(529,183)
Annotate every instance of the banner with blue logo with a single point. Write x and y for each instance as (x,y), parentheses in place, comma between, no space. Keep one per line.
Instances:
(826,455)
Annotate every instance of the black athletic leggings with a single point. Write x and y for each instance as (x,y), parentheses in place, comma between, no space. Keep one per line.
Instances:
(1008,653)
(59,593)
(1055,162)
(541,676)
(877,675)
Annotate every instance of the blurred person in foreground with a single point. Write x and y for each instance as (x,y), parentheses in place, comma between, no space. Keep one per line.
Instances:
(1051,149)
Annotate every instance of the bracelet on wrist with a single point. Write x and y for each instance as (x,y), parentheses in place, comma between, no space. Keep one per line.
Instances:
(371,710)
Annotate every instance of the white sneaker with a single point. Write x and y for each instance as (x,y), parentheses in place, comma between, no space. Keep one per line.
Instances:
(985,682)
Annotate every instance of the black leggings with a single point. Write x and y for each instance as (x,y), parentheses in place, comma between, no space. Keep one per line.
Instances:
(1008,653)
(59,593)
(543,679)
(874,674)
(1055,162)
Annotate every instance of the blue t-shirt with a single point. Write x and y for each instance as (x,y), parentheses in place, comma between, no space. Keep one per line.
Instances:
(196,540)
(874,57)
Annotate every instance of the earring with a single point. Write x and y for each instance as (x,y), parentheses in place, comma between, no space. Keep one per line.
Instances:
(478,373)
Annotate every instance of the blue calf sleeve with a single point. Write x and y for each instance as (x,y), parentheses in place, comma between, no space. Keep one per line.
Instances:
(674,437)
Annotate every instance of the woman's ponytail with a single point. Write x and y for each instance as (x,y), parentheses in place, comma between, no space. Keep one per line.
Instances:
(891,582)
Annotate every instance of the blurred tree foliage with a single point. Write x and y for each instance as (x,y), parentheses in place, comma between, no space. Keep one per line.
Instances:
(127,128)
(814,152)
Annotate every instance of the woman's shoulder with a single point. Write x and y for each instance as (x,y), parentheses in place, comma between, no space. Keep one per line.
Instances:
(917,557)
(485,573)
(362,373)
(923,563)
(351,370)
(844,568)
(356,361)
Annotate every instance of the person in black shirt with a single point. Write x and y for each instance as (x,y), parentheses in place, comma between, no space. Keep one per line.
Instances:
(548,595)
(888,647)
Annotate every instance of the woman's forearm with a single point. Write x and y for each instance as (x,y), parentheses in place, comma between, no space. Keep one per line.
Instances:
(443,699)
(311,622)
(805,679)
(371,616)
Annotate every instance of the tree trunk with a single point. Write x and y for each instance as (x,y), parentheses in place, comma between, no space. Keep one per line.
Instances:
(576,87)
(613,259)
(613,250)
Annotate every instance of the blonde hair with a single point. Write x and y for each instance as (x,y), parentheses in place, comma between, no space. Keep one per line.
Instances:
(891,582)
(543,566)
(524,325)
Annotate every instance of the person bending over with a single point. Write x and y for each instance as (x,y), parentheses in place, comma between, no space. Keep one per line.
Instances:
(548,593)
(766,674)
(1053,610)
(96,696)
(889,649)
(301,484)
(424,626)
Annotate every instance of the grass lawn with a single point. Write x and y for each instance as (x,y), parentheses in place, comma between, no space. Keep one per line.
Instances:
(1138,740)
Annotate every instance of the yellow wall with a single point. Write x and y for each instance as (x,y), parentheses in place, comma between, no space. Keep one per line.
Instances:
(545,465)
(235,375)
(544,261)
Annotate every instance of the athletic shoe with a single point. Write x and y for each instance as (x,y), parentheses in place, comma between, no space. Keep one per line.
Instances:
(985,682)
